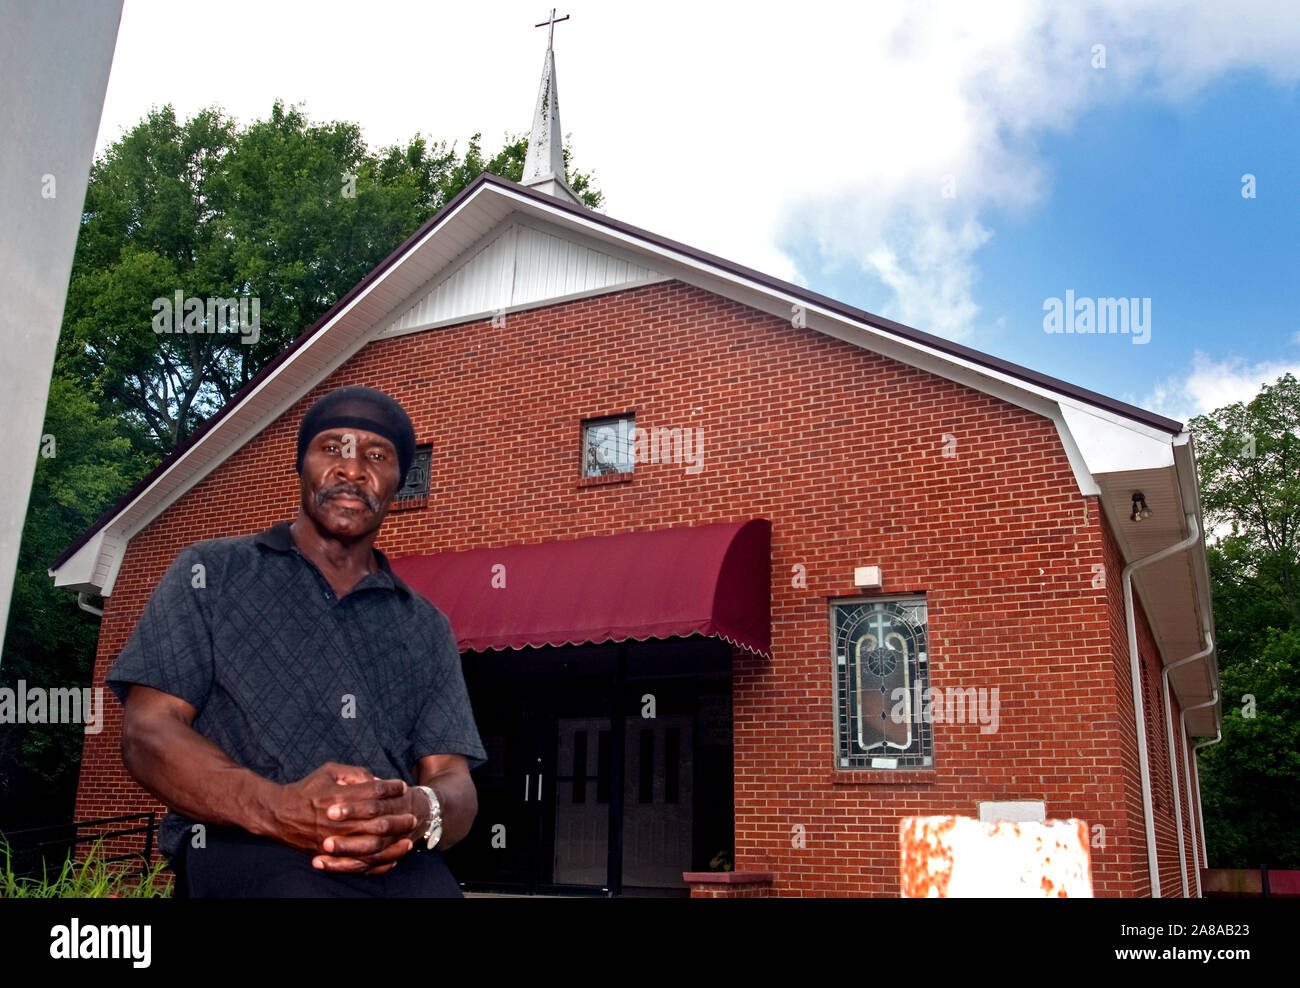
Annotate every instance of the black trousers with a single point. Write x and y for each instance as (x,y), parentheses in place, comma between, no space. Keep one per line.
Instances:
(236,864)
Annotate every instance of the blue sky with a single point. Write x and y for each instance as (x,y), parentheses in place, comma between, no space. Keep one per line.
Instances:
(1143,198)
(813,143)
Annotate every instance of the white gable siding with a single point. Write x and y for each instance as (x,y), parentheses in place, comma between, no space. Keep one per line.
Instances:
(522,266)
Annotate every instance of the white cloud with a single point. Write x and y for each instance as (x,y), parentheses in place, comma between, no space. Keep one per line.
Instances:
(853,122)
(965,94)
(1211,384)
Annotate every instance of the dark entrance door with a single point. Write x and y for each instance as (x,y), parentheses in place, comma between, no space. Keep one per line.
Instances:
(596,754)
(526,705)
(510,826)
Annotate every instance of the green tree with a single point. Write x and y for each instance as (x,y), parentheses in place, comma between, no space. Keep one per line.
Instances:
(283,211)
(85,464)
(1251,781)
(150,226)
(1248,456)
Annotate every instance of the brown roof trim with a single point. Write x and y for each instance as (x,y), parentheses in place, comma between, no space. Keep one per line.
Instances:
(767,281)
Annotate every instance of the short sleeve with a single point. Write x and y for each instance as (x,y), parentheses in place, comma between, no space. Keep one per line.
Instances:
(445,724)
(171,647)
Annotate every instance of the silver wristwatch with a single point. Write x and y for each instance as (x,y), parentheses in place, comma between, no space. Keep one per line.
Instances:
(434,833)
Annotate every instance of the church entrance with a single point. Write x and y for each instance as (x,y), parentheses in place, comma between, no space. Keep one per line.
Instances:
(609,768)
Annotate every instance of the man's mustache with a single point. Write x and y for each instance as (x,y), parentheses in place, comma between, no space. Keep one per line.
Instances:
(326,493)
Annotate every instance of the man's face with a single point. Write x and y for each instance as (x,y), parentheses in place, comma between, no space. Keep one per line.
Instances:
(349,477)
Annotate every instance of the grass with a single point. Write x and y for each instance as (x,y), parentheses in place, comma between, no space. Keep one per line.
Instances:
(93,878)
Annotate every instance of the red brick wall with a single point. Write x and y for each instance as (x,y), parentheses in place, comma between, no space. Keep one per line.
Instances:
(842,450)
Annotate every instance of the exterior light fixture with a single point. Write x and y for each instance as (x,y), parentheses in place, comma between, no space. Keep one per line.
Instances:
(867,577)
(1140,509)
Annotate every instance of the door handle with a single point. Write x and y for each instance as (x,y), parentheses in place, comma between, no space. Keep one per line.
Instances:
(528,782)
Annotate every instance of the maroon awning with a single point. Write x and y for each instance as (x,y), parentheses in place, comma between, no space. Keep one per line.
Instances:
(710,580)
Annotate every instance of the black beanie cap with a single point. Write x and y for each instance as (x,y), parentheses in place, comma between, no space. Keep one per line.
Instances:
(360,408)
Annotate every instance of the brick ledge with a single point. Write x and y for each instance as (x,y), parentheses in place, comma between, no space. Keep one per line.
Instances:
(604,479)
(883,777)
(728,877)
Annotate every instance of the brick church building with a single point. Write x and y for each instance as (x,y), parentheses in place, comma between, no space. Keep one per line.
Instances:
(741,575)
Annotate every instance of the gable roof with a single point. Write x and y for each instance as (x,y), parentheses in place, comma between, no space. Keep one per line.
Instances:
(478,256)
(489,181)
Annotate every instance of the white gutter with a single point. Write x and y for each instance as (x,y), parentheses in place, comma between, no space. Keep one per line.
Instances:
(81,602)
(1139,713)
(1173,762)
(1196,774)
(1185,467)
(1189,773)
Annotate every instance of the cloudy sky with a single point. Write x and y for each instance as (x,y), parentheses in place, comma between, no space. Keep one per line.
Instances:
(953,166)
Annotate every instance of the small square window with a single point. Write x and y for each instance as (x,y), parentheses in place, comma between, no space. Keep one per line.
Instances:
(607,446)
(881,682)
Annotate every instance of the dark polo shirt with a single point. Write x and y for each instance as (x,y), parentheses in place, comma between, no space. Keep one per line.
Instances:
(285,676)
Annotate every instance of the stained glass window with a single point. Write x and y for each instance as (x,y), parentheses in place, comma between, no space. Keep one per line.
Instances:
(881,655)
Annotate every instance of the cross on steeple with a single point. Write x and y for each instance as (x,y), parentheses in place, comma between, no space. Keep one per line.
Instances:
(551,22)
(544,162)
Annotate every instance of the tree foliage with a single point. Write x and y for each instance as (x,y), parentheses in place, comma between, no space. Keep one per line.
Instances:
(49,640)
(1249,463)
(1249,457)
(284,211)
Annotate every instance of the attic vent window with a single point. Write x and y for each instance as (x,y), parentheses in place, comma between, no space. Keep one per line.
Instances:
(607,446)
(414,492)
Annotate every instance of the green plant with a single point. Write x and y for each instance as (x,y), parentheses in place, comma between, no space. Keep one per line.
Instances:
(92,878)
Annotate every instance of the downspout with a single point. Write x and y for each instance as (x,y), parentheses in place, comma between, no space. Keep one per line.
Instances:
(1139,713)
(81,602)
(1196,774)
(1189,772)
(1173,762)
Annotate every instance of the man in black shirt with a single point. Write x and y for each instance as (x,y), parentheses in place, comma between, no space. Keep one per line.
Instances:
(300,710)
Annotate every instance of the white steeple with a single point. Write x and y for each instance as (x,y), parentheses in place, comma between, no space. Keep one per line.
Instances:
(544,164)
